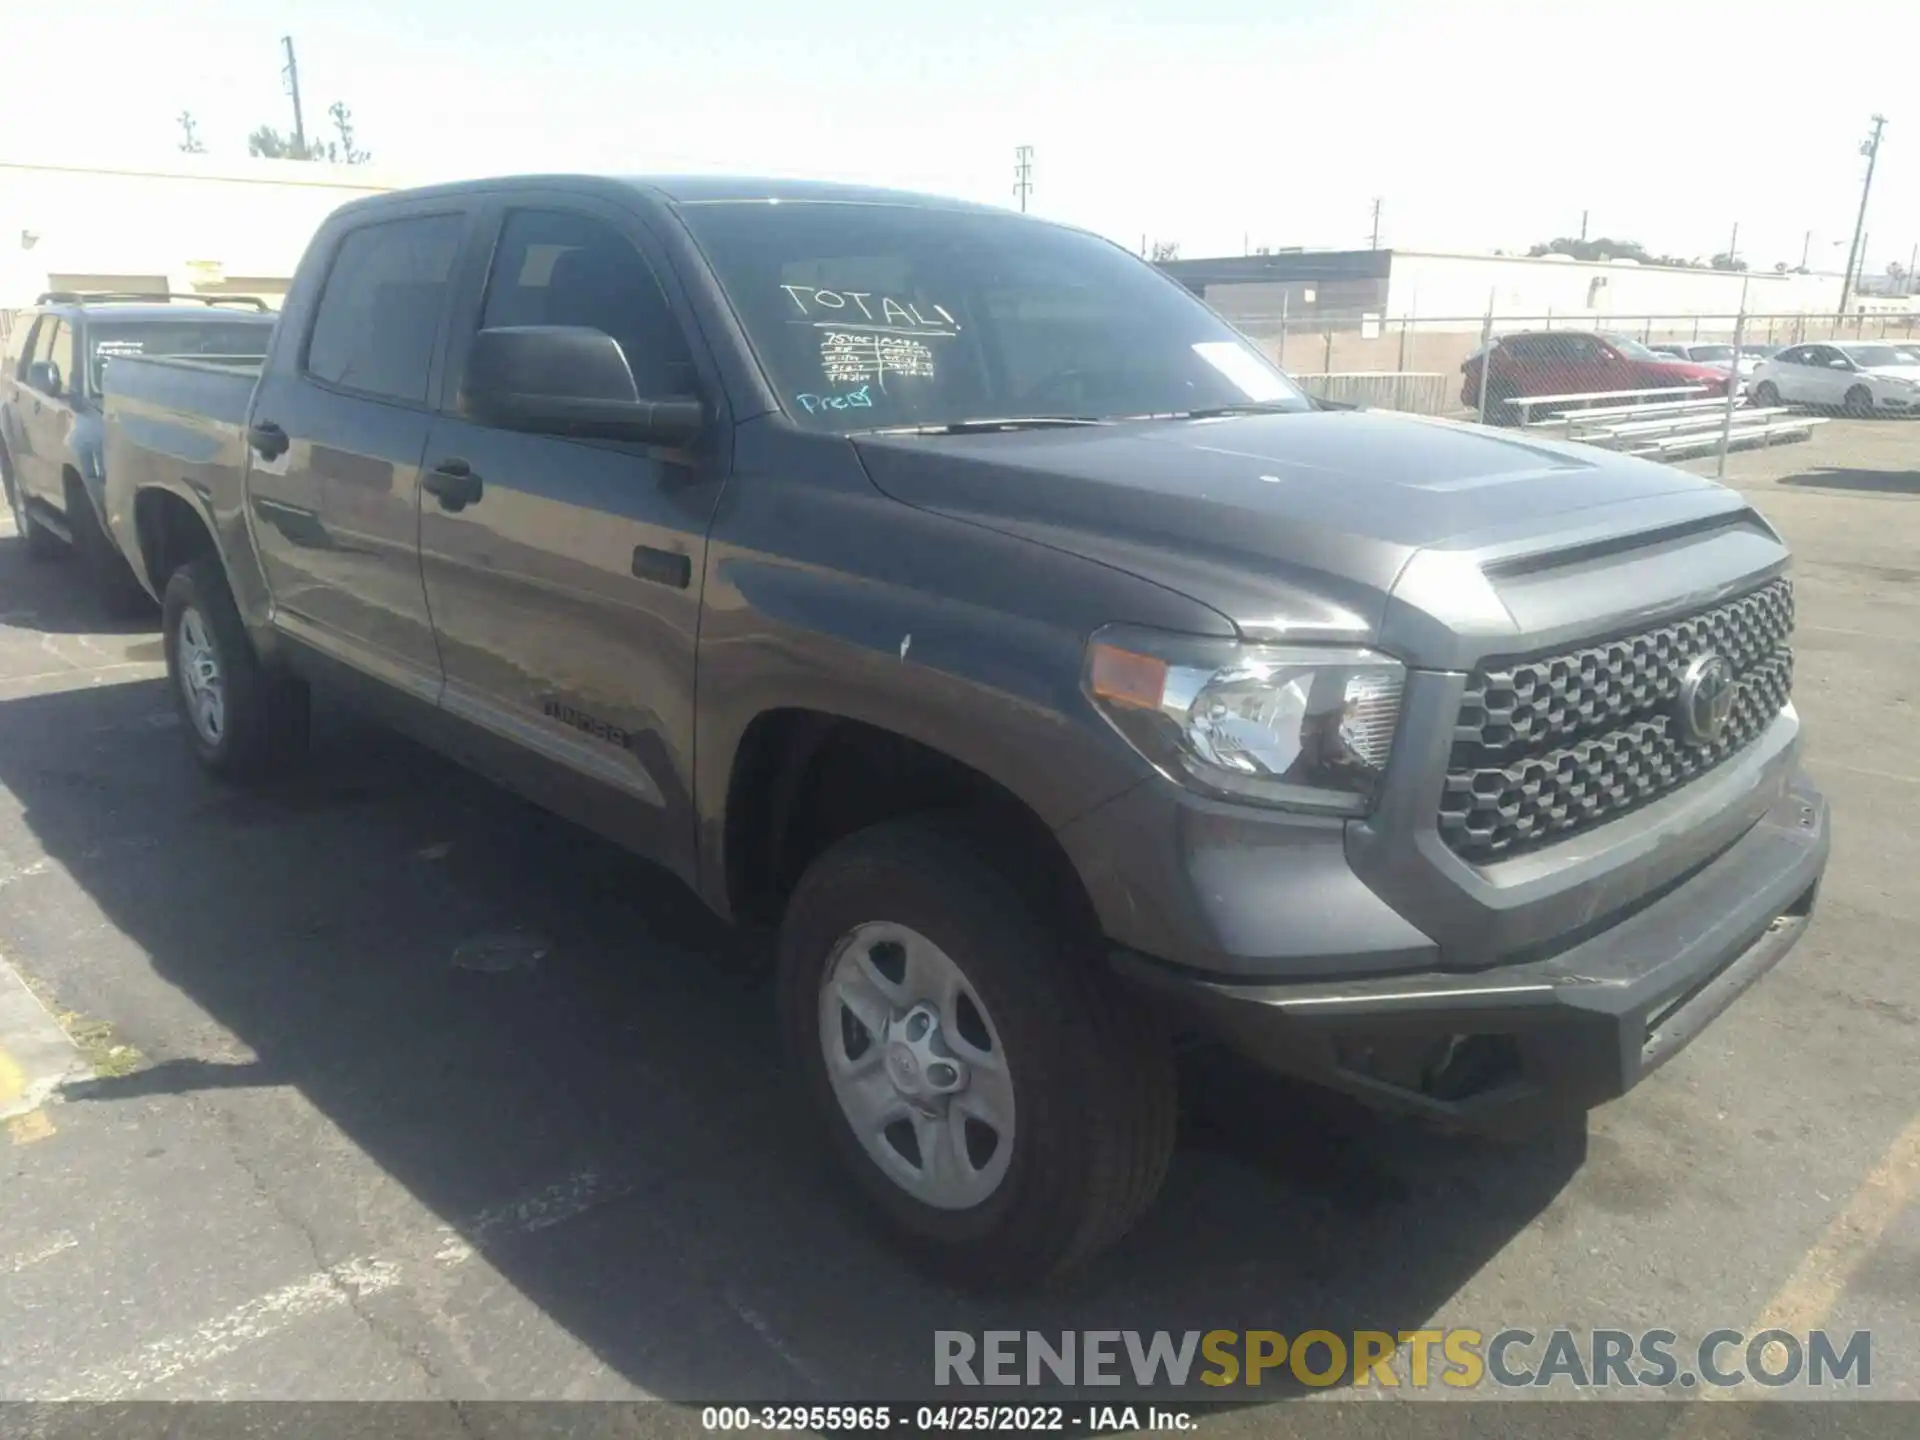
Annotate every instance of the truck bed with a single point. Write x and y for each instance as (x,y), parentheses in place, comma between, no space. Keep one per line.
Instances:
(178,424)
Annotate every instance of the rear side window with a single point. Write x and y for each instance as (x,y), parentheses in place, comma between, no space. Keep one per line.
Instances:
(380,313)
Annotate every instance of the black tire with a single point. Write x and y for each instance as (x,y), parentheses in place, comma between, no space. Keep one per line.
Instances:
(1092,1074)
(1766,395)
(264,712)
(107,569)
(1858,402)
(1500,411)
(41,543)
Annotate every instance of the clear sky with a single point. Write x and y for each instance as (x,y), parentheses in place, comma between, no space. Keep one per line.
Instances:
(1213,123)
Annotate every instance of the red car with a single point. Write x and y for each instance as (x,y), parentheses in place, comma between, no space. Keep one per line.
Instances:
(1576,362)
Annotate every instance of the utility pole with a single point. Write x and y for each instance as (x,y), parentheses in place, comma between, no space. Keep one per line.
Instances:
(1805,246)
(1023,174)
(291,73)
(1870,149)
(1583,226)
(1913,255)
(1733,247)
(1376,226)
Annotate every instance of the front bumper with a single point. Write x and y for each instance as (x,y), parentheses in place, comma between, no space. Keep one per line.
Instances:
(1501,1048)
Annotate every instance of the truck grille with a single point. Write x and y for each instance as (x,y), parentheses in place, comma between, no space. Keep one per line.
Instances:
(1547,746)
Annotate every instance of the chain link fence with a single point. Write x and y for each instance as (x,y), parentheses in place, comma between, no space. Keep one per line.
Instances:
(1666,386)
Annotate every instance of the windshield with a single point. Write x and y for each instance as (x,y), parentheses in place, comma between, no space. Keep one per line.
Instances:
(875,316)
(1631,347)
(1871,355)
(203,338)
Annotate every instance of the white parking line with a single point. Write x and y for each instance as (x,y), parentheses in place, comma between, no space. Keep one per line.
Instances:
(27,1259)
(448,1248)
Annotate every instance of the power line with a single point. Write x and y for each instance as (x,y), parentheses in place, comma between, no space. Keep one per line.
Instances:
(1870,149)
(1023,174)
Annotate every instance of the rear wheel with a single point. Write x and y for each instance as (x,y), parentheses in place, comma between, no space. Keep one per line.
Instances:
(1858,402)
(244,720)
(1003,1110)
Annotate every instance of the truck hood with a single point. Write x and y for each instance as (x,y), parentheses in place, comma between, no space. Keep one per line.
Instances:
(1303,525)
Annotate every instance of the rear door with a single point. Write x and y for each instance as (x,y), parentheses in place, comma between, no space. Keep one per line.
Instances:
(1828,375)
(338,429)
(565,591)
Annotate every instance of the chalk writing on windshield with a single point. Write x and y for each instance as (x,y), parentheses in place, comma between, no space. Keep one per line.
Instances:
(853,357)
(864,309)
(851,400)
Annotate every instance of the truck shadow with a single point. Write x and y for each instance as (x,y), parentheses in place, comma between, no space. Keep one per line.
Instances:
(53,597)
(633,1044)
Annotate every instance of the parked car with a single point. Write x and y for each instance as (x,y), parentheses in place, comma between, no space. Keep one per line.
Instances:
(1576,362)
(1719,355)
(51,370)
(958,594)
(1857,377)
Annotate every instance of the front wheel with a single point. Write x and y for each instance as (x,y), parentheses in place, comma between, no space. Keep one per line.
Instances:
(244,720)
(1858,402)
(41,543)
(1004,1111)
(1766,395)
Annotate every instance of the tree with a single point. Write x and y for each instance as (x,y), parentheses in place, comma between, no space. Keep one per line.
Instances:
(1165,250)
(269,144)
(190,134)
(1605,249)
(345,153)
(1726,262)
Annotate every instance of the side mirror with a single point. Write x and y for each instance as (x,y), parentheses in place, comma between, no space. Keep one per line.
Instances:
(568,380)
(44,376)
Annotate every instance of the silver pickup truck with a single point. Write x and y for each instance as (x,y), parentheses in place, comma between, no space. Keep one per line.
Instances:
(959,595)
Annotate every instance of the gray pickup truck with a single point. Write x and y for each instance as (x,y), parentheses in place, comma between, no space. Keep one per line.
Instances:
(958,594)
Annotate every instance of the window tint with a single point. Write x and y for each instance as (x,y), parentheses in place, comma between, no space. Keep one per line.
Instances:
(556,268)
(381,310)
(38,343)
(63,355)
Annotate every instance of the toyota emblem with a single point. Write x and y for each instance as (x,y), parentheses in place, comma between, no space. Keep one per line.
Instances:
(1707,692)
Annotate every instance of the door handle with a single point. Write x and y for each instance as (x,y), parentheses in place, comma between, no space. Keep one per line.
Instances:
(453,484)
(268,440)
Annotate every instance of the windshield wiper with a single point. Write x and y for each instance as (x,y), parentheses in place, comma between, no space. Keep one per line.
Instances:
(1245,407)
(985,424)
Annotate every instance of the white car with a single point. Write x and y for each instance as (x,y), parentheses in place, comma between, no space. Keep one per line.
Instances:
(1861,377)
(1710,352)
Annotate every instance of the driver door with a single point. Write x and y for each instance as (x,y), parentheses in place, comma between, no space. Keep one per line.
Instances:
(564,580)
(47,416)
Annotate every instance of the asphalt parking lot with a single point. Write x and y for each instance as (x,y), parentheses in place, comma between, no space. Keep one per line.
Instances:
(325,1141)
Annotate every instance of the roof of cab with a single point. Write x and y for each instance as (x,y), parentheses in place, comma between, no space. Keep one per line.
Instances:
(692,190)
(135,310)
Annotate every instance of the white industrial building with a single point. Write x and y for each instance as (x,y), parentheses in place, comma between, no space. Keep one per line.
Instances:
(191,224)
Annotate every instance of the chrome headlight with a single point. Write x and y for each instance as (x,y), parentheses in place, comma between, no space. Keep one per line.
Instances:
(1296,726)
